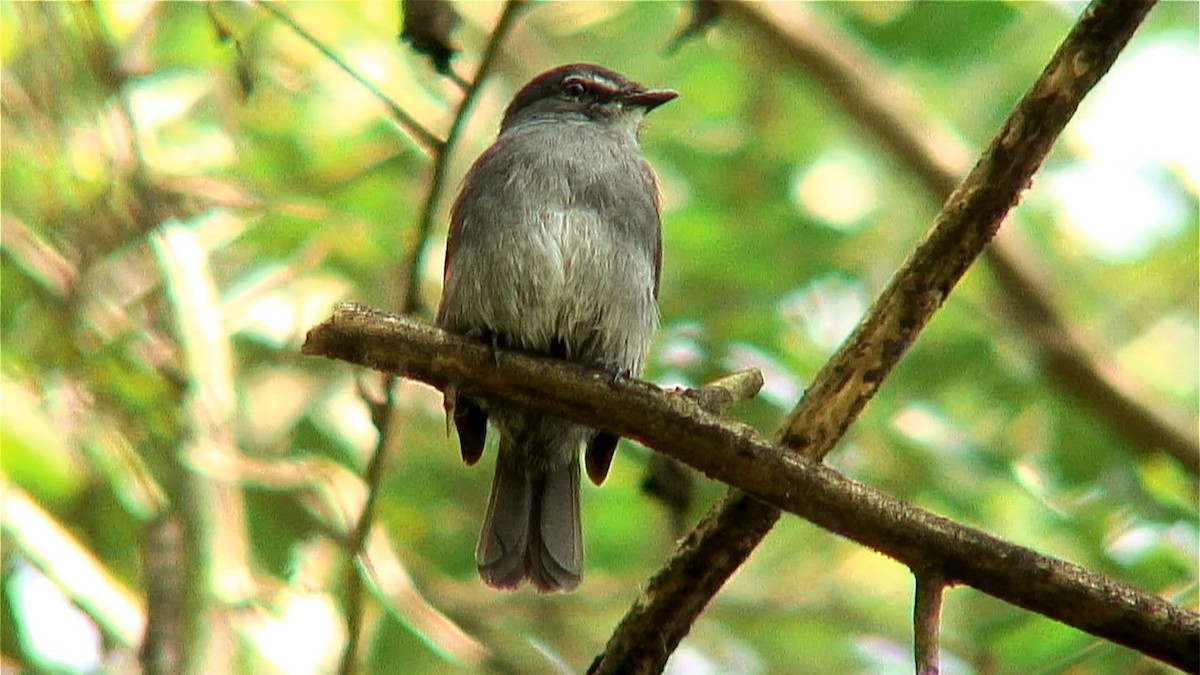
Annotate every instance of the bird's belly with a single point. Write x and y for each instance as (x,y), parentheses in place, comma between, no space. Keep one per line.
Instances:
(574,285)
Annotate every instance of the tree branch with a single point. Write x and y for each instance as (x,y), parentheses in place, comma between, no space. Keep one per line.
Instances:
(969,219)
(218,576)
(867,93)
(680,591)
(731,452)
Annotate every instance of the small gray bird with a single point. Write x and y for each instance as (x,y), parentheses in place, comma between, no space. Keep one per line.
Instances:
(554,248)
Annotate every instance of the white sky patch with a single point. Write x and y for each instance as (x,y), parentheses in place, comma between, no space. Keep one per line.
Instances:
(680,352)
(1144,112)
(304,635)
(55,634)
(1141,119)
(1135,544)
(166,97)
(1116,211)
(827,310)
(840,188)
(923,423)
(169,109)
(280,317)
(346,106)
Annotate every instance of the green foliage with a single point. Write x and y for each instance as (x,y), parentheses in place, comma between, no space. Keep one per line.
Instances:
(782,220)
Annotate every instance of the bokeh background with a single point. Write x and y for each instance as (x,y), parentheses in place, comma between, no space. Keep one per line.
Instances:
(187,188)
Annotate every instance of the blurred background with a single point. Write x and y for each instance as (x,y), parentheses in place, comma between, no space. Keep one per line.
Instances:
(187,188)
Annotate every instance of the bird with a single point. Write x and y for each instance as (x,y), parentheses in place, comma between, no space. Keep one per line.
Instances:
(555,249)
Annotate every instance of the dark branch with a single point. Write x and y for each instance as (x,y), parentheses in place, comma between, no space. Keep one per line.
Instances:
(677,425)
(680,591)
(969,219)
(868,94)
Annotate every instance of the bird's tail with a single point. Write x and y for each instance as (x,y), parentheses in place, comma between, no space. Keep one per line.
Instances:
(531,530)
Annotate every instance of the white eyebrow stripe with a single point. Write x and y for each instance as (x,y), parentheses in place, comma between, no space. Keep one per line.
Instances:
(597,79)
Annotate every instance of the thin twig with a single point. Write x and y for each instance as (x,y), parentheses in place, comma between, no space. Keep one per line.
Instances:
(927,617)
(386,412)
(968,221)
(423,136)
(384,415)
(734,453)
(441,161)
(458,81)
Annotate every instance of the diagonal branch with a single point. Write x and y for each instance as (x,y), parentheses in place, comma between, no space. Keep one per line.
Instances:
(420,134)
(677,425)
(864,91)
(969,219)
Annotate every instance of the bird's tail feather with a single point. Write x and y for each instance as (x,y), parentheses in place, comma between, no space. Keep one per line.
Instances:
(531,529)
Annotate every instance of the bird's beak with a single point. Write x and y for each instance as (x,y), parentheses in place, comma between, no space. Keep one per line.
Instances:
(649,99)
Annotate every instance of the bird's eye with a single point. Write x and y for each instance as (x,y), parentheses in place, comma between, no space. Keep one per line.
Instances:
(574,88)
